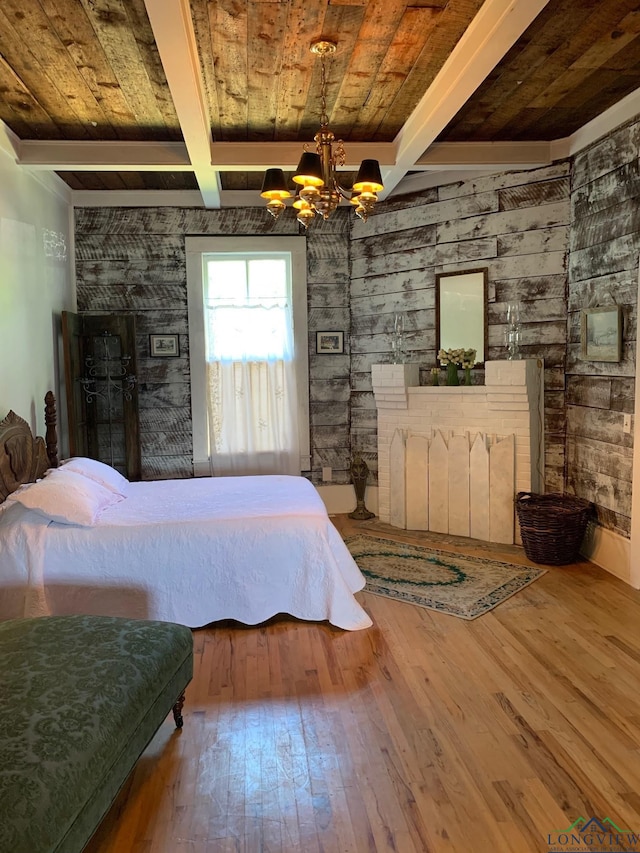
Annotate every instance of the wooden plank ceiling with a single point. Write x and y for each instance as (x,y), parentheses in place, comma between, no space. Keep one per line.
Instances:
(89,71)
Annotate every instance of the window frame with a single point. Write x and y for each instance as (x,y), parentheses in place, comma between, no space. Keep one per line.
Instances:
(196,247)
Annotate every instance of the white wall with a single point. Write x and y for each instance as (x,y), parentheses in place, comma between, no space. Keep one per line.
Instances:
(36,284)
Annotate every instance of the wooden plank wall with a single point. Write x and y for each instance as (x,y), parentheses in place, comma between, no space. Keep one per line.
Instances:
(553,247)
(517,225)
(329,375)
(603,270)
(132,261)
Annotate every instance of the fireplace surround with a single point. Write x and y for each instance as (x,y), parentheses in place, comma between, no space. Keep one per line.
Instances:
(452,459)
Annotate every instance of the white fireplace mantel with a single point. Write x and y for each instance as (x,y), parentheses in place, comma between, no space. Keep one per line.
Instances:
(508,407)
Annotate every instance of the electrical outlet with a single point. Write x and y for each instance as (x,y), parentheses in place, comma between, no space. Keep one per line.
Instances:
(626,427)
(327,475)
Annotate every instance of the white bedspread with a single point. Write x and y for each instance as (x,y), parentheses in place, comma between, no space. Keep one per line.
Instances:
(188,551)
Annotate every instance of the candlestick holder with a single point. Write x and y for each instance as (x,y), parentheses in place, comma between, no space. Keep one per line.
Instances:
(359,475)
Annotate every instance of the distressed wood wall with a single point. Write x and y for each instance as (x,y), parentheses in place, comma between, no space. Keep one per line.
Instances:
(517,225)
(132,261)
(554,247)
(603,270)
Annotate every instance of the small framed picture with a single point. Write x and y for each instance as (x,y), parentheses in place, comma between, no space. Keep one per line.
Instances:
(330,343)
(601,333)
(164,346)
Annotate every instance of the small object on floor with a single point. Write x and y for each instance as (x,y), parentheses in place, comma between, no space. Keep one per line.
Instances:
(359,476)
(452,583)
(552,526)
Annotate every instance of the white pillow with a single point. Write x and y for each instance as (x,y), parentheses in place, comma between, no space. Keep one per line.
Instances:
(107,476)
(66,497)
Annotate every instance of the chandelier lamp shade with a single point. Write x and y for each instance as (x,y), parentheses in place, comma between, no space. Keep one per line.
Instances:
(318,190)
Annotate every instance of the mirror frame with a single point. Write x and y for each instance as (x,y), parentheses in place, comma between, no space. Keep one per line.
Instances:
(485,289)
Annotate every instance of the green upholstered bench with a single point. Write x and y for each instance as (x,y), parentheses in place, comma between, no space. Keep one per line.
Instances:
(80,699)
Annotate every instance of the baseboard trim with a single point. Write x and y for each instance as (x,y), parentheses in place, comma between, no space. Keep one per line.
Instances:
(339,499)
(608,550)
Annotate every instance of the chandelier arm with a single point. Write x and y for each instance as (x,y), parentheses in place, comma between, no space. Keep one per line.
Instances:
(346,194)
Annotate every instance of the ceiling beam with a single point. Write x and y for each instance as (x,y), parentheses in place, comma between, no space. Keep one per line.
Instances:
(493,31)
(10,146)
(486,155)
(168,198)
(94,156)
(9,143)
(138,198)
(173,31)
(258,156)
(618,114)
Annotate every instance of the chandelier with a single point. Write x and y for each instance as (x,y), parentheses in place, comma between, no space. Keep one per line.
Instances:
(318,189)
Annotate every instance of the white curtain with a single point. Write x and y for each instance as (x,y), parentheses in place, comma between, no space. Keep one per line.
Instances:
(253,405)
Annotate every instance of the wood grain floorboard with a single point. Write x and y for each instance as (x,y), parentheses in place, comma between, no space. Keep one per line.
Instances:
(423,733)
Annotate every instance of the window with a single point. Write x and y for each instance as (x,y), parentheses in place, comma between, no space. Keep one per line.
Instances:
(248,351)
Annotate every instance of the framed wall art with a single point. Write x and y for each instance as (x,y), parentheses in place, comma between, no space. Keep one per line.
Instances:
(330,343)
(601,333)
(164,346)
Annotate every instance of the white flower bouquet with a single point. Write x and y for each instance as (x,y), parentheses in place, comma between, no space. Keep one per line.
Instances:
(452,359)
(468,358)
(451,356)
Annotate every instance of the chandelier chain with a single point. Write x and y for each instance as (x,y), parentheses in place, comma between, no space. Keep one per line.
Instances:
(324,118)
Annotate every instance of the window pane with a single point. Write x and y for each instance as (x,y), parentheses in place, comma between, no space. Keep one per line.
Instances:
(268,280)
(227,281)
(254,334)
(254,326)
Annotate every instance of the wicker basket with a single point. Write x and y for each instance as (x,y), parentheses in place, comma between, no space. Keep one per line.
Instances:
(552,526)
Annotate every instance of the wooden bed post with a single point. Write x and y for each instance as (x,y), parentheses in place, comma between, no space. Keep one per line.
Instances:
(51,421)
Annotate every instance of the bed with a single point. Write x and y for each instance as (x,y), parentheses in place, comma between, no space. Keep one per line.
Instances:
(188,551)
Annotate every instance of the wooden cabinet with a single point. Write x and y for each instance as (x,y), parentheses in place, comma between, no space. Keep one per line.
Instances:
(102,390)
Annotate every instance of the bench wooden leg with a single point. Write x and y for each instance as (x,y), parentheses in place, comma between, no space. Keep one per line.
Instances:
(177,711)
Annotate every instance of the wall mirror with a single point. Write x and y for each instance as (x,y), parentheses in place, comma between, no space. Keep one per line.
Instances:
(461,311)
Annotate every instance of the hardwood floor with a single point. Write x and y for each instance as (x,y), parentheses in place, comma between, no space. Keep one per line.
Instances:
(423,733)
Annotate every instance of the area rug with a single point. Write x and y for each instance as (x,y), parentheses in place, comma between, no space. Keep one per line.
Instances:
(439,580)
